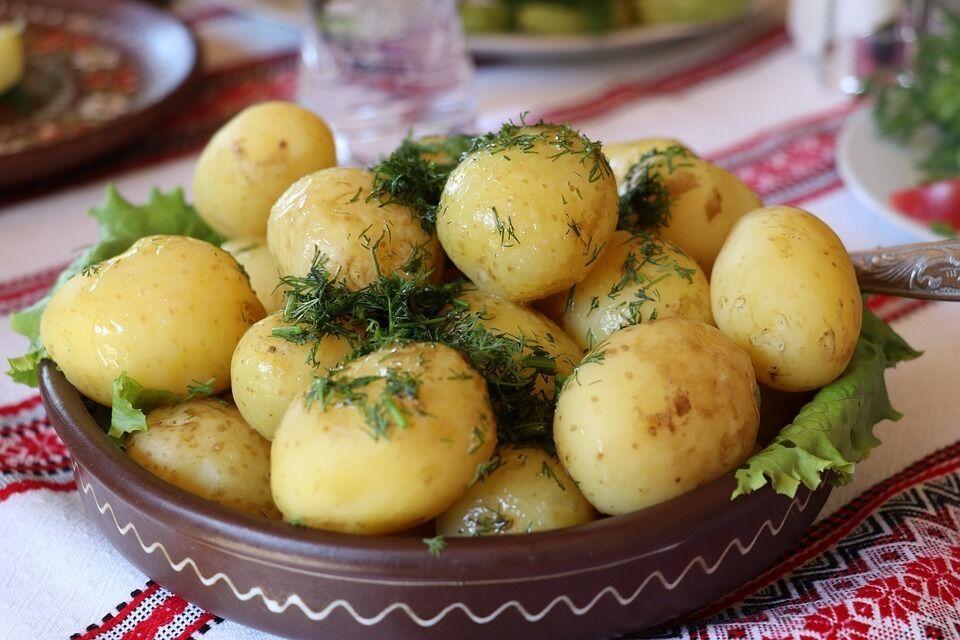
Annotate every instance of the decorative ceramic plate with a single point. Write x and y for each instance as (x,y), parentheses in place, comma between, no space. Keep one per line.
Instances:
(610,577)
(540,47)
(98,74)
(873,167)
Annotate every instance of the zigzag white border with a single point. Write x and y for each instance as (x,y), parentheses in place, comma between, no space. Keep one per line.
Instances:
(295,600)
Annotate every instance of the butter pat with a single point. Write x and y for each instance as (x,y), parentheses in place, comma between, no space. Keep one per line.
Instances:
(11,55)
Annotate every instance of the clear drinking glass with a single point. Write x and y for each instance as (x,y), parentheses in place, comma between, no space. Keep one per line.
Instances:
(377,70)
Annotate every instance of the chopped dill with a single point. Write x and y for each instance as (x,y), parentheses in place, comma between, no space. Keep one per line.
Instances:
(546,471)
(508,235)
(415,173)
(487,467)
(483,521)
(477,440)
(435,545)
(200,389)
(382,413)
(644,196)
(90,270)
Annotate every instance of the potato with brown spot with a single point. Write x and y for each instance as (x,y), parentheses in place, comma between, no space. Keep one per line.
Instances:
(205,447)
(796,304)
(252,159)
(528,491)
(628,451)
(638,278)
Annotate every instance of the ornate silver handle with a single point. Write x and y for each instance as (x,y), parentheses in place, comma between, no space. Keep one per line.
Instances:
(929,270)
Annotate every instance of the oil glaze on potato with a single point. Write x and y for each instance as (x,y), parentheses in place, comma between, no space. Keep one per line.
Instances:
(205,447)
(267,371)
(328,212)
(253,256)
(252,159)
(332,470)
(524,224)
(656,410)
(785,290)
(638,278)
(169,312)
(528,491)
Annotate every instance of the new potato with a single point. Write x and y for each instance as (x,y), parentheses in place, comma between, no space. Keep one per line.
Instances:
(332,470)
(252,159)
(705,202)
(785,290)
(638,278)
(204,447)
(656,410)
(623,155)
(528,491)
(169,312)
(255,258)
(267,371)
(328,211)
(528,221)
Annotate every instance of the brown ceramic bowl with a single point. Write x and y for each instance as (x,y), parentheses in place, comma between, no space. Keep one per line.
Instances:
(607,578)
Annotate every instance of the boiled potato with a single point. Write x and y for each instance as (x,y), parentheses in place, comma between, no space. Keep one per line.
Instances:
(11,56)
(512,319)
(527,219)
(390,442)
(785,290)
(328,212)
(267,371)
(623,155)
(691,11)
(252,160)
(654,411)
(169,312)
(638,278)
(205,447)
(527,491)
(255,258)
(705,202)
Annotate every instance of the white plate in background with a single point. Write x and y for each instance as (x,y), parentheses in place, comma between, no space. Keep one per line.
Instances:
(873,167)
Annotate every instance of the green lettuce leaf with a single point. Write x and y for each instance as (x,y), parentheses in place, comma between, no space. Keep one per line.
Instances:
(120,224)
(833,431)
(130,402)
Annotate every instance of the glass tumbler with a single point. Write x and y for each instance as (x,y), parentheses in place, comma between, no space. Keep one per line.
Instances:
(378,70)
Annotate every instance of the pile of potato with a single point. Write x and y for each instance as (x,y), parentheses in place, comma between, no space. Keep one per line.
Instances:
(659,337)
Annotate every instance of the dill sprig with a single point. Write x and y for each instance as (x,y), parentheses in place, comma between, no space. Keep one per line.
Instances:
(528,138)
(394,309)
(415,173)
(644,196)
(435,545)
(381,412)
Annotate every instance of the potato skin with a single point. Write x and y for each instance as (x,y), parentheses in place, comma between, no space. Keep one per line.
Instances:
(529,491)
(252,159)
(669,406)
(328,211)
(525,225)
(204,447)
(169,312)
(638,278)
(267,372)
(330,472)
(623,155)
(785,290)
(255,258)
(705,203)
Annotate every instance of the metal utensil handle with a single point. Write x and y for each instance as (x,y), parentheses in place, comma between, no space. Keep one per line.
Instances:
(929,270)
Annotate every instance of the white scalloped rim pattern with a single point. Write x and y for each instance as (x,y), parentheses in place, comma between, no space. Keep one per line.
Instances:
(294,600)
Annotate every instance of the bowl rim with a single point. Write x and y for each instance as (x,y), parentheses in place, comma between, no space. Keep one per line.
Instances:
(392,560)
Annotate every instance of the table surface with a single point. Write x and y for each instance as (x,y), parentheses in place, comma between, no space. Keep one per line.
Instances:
(746,100)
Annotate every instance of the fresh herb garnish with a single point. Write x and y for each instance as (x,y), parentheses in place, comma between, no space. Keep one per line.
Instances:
(382,411)
(435,545)
(644,194)
(926,95)
(415,174)
(483,521)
